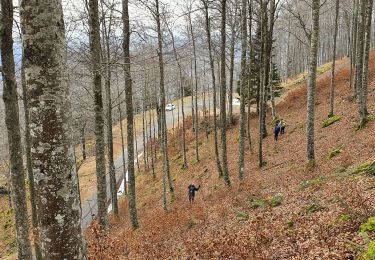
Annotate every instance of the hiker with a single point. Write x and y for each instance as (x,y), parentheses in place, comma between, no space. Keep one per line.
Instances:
(277,130)
(192,189)
(282,126)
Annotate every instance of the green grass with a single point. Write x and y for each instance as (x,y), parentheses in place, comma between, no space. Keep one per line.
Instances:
(313,207)
(368,226)
(330,120)
(334,152)
(367,167)
(370,252)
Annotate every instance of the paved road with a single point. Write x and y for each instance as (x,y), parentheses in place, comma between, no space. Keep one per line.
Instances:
(90,207)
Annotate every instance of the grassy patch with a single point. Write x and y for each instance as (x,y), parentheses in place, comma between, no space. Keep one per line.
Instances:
(257,202)
(313,207)
(334,152)
(307,183)
(370,252)
(276,200)
(273,201)
(367,167)
(241,214)
(368,226)
(330,120)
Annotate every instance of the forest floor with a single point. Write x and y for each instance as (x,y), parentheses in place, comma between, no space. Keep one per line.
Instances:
(284,210)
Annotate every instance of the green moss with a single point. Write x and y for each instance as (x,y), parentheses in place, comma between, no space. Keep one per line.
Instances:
(314,207)
(257,203)
(307,183)
(241,214)
(276,200)
(330,120)
(367,167)
(334,152)
(290,223)
(368,226)
(344,217)
(369,254)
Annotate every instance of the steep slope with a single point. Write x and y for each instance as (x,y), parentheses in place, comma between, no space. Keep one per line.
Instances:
(282,211)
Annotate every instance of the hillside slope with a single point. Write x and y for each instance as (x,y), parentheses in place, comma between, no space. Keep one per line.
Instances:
(282,211)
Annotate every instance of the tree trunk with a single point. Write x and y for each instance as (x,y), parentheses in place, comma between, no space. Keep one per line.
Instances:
(111,165)
(354,46)
(359,64)
(95,50)
(52,152)
(151,145)
(129,115)
(262,84)
(243,86)
(83,143)
(231,66)
(164,142)
(367,51)
(249,90)
(223,93)
(122,143)
(212,65)
(332,85)
(311,81)
(29,167)
(17,172)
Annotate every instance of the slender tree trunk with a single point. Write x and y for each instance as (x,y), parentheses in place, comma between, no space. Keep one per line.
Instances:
(249,91)
(122,143)
(107,84)
(359,64)
(95,50)
(129,115)
(332,85)
(367,51)
(83,142)
(136,143)
(151,145)
(182,95)
(223,90)
(354,46)
(242,90)
(17,172)
(231,66)
(311,81)
(214,96)
(262,84)
(29,167)
(164,143)
(52,152)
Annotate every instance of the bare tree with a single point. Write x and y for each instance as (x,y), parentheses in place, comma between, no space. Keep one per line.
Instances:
(52,153)
(243,86)
(212,68)
(95,50)
(129,115)
(17,172)
(223,93)
(332,85)
(311,81)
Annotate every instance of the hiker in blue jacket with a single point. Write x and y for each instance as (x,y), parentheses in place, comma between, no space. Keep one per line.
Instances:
(277,130)
(192,189)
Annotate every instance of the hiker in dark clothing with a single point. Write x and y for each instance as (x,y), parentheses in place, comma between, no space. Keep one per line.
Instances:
(277,130)
(192,189)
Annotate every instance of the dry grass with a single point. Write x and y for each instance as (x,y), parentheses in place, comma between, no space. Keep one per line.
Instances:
(318,217)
